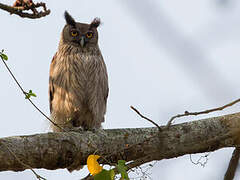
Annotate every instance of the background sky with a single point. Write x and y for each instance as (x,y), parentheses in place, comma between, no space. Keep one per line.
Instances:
(163,57)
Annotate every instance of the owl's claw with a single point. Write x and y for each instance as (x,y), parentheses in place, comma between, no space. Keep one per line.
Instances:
(75,129)
(93,129)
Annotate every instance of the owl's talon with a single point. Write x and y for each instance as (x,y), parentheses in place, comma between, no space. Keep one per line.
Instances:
(75,129)
(93,130)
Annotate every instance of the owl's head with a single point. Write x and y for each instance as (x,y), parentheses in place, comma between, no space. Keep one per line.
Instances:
(80,34)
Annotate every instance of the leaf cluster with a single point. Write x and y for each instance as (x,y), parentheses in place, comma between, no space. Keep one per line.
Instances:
(102,174)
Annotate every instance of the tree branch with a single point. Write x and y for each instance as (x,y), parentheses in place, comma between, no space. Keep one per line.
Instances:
(232,167)
(34,15)
(70,150)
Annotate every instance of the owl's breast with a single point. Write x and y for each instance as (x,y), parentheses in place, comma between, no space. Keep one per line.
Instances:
(77,75)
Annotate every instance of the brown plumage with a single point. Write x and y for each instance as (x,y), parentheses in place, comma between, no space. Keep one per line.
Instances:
(78,83)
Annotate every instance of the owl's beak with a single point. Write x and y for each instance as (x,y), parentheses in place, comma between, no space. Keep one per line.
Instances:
(82,41)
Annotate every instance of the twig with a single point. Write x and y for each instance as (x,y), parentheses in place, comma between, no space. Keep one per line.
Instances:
(14,78)
(199,161)
(144,117)
(186,113)
(142,171)
(230,173)
(26,165)
(34,15)
(137,162)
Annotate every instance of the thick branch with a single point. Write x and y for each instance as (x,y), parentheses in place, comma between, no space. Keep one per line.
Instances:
(70,150)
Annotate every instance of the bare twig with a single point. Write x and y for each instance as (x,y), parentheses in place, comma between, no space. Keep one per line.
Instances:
(144,117)
(26,165)
(142,171)
(186,113)
(24,92)
(137,162)
(230,173)
(18,10)
(200,161)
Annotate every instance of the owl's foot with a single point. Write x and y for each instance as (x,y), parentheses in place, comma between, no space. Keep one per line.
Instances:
(75,129)
(92,129)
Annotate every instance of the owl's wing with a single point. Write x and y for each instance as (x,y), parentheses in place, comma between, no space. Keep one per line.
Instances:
(106,88)
(104,83)
(51,83)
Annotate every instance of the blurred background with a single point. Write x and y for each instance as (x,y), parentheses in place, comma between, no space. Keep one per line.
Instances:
(163,57)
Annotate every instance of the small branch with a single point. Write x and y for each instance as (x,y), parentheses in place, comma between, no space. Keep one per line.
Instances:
(14,78)
(138,162)
(144,117)
(186,113)
(199,161)
(18,10)
(230,173)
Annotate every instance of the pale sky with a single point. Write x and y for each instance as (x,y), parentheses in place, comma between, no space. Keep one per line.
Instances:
(163,57)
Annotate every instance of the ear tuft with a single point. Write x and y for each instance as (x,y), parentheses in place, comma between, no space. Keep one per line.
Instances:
(69,19)
(95,23)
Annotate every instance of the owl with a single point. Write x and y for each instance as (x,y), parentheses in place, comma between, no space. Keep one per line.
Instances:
(78,82)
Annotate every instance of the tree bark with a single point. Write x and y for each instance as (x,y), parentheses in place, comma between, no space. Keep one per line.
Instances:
(71,149)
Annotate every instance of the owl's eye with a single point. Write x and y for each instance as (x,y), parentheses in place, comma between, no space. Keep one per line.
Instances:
(74,33)
(89,34)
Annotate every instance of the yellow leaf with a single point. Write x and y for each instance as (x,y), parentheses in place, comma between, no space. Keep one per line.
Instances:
(92,164)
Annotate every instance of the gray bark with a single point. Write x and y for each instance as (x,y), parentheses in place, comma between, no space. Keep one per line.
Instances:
(140,145)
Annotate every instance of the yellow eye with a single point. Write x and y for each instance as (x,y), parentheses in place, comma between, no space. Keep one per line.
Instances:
(89,35)
(74,33)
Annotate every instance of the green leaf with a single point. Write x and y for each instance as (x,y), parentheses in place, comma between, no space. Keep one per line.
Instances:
(112,174)
(105,175)
(122,169)
(3,56)
(30,94)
